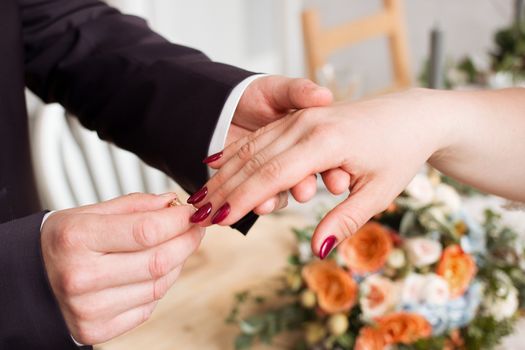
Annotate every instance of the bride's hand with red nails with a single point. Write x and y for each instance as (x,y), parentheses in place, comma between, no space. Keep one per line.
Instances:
(381,143)
(376,143)
(266,100)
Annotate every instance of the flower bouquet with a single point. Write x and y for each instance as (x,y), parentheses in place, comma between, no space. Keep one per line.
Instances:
(422,275)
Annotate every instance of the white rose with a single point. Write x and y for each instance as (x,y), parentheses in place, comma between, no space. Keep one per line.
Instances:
(378,296)
(503,303)
(447,196)
(412,288)
(396,259)
(420,188)
(433,218)
(305,252)
(436,290)
(502,307)
(422,251)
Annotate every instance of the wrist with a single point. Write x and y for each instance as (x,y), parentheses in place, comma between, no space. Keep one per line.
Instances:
(435,113)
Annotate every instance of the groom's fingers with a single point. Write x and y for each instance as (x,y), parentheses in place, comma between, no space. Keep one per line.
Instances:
(305,190)
(346,218)
(273,204)
(337,181)
(286,93)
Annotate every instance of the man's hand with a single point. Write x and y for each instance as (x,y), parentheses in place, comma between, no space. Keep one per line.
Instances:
(108,264)
(270,98)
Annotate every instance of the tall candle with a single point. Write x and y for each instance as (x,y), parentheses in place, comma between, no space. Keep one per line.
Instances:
(436,69)
(518,8)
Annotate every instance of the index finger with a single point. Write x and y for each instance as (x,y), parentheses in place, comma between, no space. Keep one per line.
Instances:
(136,231)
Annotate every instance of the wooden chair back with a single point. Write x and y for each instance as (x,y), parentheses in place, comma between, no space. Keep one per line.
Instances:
(321,43)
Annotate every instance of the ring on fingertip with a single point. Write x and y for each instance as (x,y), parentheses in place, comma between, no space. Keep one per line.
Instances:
(175,202)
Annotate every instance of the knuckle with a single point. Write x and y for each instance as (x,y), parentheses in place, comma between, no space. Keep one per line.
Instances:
(247,151)
(271,171)
(322,131)
(254,164)
(257,133)
(74,282)
(160,288)
(82,311)
(68,236)
(159,265)
(145,232)
(147,311)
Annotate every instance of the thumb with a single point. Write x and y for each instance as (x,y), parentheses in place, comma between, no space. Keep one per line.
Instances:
(132,203)
(346,219)
(288,93)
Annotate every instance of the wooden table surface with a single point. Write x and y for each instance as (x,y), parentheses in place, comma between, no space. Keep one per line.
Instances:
(192,314)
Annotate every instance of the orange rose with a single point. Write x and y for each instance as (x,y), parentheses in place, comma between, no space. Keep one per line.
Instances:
(370,339)
(457,268)
(368,249)
(336,290)
(404,327)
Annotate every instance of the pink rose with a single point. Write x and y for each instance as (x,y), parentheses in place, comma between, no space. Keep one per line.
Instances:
(422,251)
(379,295)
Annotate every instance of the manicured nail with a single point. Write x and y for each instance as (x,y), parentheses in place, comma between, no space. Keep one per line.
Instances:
(221,214)
(201,214)
(327,247)
(212,158)
(198,196)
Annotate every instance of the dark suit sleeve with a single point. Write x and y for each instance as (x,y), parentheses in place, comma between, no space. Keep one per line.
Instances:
(29,317)
(157,99)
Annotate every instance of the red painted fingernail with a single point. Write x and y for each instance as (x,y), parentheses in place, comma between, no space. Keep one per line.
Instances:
(221,214)
(201,214)
(212,158)
(327,247)
(198,196)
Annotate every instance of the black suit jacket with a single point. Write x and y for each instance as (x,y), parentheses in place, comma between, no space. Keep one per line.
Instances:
(156,99)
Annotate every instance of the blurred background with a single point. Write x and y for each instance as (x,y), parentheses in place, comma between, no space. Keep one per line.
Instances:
(267,36)
(339,43)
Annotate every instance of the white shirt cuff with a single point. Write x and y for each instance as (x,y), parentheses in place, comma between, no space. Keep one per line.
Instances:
(41,225)
(218,139)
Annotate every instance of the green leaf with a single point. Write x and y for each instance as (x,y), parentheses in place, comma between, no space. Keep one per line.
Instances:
(486,333)
(243,341)
(294,260)
(346,341)
(252,326)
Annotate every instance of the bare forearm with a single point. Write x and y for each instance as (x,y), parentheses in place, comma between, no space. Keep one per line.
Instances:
(485,141)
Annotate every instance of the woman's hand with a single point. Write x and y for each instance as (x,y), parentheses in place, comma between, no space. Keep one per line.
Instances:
(478,137)
(268,99)
(379,143)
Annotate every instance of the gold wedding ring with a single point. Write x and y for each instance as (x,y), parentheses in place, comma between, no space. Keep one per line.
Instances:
(176,202)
